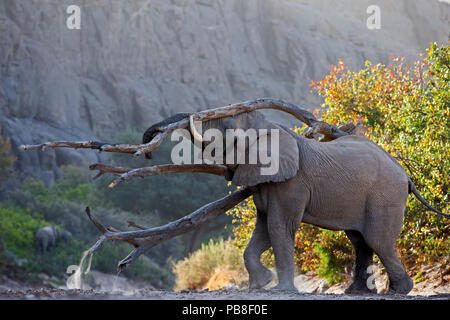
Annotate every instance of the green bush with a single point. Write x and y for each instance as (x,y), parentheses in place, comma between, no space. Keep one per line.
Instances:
(17,228)
(335,253)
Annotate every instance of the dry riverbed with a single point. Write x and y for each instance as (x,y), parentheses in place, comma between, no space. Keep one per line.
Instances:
(33,294)
(435,285)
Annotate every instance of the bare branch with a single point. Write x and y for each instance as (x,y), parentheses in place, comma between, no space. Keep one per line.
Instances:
(127,173)
(66,144)
(218,170)
(330,131)
(104,168)
(248,106)
(135,225)
(147,238)
(97,224)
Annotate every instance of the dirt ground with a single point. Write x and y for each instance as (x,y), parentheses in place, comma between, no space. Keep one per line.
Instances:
(146,294)
(434,285)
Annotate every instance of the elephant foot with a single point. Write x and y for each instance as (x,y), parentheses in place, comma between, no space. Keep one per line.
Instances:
(285,288)
(401,286)
(259,279)
(359,287)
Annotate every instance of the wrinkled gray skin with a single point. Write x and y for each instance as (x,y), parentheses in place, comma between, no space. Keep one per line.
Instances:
(47,237)
(346,184)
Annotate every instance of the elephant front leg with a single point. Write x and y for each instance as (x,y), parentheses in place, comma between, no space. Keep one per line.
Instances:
(282,239)
(259,276)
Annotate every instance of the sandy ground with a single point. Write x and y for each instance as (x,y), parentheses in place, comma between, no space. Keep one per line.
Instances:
(146,294)
(435,286)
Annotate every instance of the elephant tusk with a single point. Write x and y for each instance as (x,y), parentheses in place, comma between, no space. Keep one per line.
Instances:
(197,136)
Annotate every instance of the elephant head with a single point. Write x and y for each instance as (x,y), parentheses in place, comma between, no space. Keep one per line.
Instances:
(253,148)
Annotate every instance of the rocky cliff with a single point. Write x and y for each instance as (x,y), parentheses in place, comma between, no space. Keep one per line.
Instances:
(137,61)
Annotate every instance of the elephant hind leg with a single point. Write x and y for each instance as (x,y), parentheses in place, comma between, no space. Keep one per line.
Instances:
(399,280)
(259,275)
(385,228)
(364,259)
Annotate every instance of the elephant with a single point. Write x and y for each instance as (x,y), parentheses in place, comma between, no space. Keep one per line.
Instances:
(48,236)
(348,184)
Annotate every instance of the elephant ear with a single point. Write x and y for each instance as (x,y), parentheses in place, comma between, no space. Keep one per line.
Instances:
(284,159)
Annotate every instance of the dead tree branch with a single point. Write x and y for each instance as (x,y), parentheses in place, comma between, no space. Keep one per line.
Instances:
(127,173)
(149,237)
(96,145)
(329,131)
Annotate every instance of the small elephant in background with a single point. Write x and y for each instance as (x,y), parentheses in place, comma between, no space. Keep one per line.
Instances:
(47,237)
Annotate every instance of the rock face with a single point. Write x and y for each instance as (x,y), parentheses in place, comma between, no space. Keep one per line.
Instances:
(135,62)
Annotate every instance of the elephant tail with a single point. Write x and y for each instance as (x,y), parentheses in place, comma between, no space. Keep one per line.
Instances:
(412,189)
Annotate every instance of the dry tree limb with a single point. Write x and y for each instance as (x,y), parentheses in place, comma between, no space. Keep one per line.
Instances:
(149,237)
(127,173)
(103,168)
(96,145)
(135,149)
(329,131)
(137,226)
(218,170)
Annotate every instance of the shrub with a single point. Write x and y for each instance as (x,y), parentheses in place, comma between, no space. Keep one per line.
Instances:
(406,110)
(17,228)
(195,271)
(335,253)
